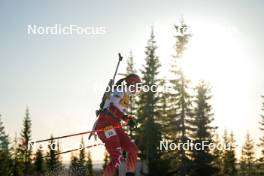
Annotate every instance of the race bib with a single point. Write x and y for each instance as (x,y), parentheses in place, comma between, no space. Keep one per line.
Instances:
(109,131)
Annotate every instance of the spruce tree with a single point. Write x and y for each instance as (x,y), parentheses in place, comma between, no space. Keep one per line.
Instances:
(25,149)
(74,166)
(182,37)
(130,64)
(247,160)
(53,162)
(148,134)
(218,156)
(203,132)
(261,144)
(180,111)
(4,141)
(229,157)
(59,158)
(17,160)
(5,160)
(81,159)
(39,163)
(89,165)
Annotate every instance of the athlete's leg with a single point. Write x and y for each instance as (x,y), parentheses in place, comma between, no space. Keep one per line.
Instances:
(131,149)
(112,145)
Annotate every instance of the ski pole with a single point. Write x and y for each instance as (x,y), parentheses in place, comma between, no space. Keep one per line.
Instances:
(73,150)
(71,135)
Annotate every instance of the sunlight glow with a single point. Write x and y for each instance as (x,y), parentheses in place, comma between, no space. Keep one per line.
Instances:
(216,54)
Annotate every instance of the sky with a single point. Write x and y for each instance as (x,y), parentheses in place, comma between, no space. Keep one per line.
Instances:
(61,78)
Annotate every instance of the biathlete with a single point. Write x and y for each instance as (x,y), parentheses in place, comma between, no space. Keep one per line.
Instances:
(116,139)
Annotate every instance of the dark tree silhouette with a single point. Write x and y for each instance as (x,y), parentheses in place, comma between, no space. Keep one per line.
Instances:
(148,135)
(39,163)
(247,160)
(5,158)
(25,149)
(203,132)
(180,111)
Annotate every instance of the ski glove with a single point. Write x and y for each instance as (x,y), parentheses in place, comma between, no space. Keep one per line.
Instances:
(94,135)
(131,121)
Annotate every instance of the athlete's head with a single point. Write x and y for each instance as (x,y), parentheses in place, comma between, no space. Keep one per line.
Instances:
(132,82)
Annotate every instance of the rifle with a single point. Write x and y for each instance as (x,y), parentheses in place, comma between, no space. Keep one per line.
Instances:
(107,93)
(109,87)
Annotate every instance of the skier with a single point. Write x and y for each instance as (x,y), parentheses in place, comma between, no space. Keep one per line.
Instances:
(115,139)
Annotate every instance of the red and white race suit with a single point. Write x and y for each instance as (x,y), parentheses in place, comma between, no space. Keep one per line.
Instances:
(115,139)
